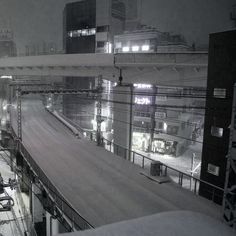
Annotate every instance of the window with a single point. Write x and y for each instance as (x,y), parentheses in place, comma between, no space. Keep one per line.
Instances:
(103,28)
(171,129)
(100,44)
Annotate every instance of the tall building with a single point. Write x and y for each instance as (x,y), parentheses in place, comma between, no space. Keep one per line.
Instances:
(7,45)
(89,27)
(133,14)
(219,100)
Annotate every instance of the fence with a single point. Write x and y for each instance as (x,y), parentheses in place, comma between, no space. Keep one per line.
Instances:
(76,219)
(184,180)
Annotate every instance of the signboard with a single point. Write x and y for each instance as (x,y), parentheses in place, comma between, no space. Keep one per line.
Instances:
(212,169)
(161,115)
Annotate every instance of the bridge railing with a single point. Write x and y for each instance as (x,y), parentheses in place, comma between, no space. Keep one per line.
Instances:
(184,180)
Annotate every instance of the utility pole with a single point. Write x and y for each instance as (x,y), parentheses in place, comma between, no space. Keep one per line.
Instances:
(99,110)
(19,123)
(229,201)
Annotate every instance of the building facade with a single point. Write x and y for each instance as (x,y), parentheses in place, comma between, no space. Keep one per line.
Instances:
(89,27)
(149,40)
(164,119)
(219,100)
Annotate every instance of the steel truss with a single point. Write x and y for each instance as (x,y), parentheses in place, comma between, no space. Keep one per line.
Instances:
(229,202)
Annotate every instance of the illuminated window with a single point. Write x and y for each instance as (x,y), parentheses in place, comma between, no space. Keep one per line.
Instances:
(82,32)
(125,49)
(145,48)
(135,48)
(118,45)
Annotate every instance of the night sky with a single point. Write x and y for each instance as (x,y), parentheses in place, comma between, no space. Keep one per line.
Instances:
(35,21)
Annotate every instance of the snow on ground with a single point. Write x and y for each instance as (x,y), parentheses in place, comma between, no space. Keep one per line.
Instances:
(175,223)
(17,225)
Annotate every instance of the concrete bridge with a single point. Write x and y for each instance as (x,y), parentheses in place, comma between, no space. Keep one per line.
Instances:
(175,69)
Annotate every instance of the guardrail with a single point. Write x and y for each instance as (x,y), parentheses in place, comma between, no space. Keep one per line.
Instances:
(78,221)
(184,180)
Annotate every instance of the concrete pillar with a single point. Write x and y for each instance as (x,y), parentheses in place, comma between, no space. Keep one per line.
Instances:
(153,120)
(37,210)
(122,124)
(52,225)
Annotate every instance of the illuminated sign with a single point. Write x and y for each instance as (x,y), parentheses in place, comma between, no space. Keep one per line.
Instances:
(143,86)
(142,100)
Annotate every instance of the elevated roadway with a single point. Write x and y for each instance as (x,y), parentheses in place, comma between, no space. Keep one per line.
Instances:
(176,69)
(102,187)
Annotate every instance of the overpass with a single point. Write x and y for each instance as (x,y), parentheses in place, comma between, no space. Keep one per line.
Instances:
(175,69)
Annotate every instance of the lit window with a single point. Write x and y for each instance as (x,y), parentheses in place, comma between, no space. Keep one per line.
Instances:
(135,48)
(125,49)
(145,48)
(216,131)
(84,32)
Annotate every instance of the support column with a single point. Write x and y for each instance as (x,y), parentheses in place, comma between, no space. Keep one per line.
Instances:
(37,211)
(122,122)
(52,225)
(99,111)
(153,121)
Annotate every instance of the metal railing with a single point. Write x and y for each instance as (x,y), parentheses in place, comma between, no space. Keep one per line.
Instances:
(26,217)
(184,180)
(76,219)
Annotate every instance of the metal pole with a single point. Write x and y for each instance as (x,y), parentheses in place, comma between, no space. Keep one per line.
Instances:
(99,111)
(131,121)
(229,200)
(19,123)
(153,122)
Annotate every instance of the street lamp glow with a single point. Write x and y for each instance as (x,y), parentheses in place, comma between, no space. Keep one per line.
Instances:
(135,48)
(125,49)
(145,48)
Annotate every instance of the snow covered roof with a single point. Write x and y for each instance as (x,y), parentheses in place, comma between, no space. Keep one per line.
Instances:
(172,223)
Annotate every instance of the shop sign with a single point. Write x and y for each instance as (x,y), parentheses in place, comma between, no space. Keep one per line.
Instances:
(142,100)
(161,98)
(161,115)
